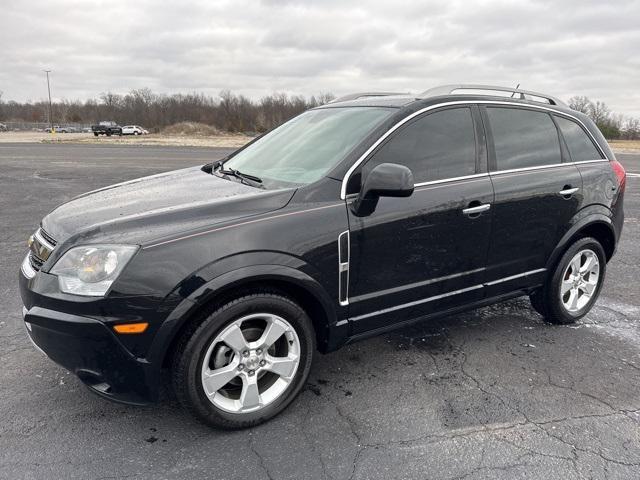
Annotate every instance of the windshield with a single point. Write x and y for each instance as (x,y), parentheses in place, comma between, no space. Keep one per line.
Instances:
(302,150)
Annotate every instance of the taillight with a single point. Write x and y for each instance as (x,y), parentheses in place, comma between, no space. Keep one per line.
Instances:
(620,173)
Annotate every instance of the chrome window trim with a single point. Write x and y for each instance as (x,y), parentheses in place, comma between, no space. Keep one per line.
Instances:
(343,267)
(384,136)
(527,169)
(444,295)
(452,179)
(591,161)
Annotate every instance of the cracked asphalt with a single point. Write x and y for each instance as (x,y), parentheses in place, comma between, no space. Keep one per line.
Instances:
(492,393)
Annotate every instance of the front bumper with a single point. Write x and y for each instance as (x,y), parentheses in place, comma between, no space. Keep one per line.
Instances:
(90,349)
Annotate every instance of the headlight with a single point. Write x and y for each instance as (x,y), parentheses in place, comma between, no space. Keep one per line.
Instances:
(91,270)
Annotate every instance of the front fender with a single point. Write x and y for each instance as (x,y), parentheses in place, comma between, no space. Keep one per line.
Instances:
(206,291)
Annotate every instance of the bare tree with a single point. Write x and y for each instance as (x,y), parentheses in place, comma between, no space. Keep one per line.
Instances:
(631,129)
(580,104)
(599,112)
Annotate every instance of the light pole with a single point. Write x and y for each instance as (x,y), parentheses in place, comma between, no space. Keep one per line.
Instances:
(49,90)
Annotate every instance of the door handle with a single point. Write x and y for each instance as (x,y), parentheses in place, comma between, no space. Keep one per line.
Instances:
(568,191)
(478,209)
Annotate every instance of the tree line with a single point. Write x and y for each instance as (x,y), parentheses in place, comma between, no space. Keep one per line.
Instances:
(234,113)
(612,125)
(227,112)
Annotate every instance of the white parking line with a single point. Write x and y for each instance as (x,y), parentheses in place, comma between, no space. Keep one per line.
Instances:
(634,175)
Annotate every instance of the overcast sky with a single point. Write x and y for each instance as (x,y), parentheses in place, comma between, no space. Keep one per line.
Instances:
(564,48)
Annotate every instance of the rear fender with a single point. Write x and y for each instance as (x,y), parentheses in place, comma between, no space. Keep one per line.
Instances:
(595,215)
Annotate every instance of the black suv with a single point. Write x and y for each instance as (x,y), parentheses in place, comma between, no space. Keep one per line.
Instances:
(354,218)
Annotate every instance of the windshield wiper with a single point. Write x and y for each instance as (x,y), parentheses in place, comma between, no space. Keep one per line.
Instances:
(236,173)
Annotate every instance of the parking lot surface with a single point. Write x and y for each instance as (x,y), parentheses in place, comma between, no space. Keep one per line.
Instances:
(492,393)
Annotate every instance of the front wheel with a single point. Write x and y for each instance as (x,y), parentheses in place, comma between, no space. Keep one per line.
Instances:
(245,362)
(574,285)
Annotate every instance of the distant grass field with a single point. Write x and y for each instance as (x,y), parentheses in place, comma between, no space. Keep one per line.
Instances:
(178,140)
(631,146)
(185,137)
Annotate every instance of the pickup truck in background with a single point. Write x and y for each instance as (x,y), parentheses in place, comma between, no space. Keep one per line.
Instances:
(106,128)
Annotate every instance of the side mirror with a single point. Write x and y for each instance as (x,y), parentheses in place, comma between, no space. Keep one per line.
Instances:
(385,180)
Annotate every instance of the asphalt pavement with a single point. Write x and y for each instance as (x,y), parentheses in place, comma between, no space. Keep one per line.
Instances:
(492,393)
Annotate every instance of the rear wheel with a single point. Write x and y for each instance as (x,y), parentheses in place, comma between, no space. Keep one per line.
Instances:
(574,285)
(245,362)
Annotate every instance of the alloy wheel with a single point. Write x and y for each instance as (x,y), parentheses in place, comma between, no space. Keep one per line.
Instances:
(580,280)
(250,363)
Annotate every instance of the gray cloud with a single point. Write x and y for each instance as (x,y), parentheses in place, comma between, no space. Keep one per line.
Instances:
(306,47)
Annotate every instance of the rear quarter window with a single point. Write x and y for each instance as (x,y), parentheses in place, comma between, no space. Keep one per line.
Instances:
(580,146)
(523,138)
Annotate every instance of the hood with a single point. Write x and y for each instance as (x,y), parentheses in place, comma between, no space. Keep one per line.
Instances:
(149,208)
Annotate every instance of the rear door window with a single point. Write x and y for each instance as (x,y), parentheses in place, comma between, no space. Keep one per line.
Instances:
(580,145)
(523,138)
(436,146)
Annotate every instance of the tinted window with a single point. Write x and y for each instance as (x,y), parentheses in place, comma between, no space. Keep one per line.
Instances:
(580,145)
(523,138)
(436,146)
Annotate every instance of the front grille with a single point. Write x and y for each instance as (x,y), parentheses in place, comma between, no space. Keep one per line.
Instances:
(48,237)
(41,246)
(36,262)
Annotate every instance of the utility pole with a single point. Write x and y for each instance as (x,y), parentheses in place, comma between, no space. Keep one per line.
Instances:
(49,90)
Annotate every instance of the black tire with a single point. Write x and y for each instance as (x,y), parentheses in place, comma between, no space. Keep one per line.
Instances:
(537,302)
(547,300)
(95,134)
(192,347)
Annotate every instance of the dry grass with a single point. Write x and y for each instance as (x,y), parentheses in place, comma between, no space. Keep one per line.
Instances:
(191,129)
(178,140)
(625,146)
(191,134)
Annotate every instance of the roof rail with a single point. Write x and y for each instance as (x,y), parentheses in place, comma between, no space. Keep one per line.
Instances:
(355,96)
(522,94)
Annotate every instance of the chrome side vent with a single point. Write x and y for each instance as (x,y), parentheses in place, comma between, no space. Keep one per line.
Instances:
(344,253)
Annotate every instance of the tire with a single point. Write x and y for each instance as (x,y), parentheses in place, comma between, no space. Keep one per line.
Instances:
(574,285)
(228,404)
(95,134)
(537,302)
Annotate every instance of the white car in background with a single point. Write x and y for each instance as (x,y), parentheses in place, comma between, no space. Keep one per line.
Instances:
(134,130)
